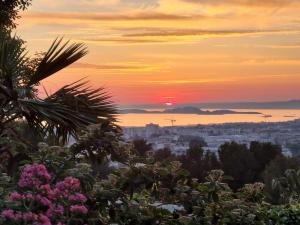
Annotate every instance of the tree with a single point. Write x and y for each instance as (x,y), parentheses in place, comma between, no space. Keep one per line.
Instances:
(193,140)
(9,12)
(163,154)
(275,170)
(197,162)
(58,116)
(195,150)
(264,153)
(100,144)
(141,147)
(210,161)
(239,163)
(288,186)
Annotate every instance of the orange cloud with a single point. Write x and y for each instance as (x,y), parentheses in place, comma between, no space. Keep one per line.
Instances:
(196,32)
(117,67)
(110,16)
(254,3)
(121,40)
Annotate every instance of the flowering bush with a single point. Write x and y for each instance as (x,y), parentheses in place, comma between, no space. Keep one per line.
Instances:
(40,203)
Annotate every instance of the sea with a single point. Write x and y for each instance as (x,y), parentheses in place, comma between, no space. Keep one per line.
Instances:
(163,120)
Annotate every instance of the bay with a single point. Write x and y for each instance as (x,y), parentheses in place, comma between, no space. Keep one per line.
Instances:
(268,115)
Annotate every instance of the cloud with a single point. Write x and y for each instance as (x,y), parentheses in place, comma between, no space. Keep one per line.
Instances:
(284,46)
(105,66)
(128,66)
(122,40)
(255,3)
(199,32)
(94,6)
(108,16)
(187,81)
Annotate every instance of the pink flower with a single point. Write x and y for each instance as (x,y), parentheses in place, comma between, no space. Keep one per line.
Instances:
(55,210)
(77,197)
(43,220)
(29,216)
(45,189)
(69,183)
(18,217)
(15,196)
(80,209)
(8,214)
(43,200)
(35,188)
(28,196)
(33,176)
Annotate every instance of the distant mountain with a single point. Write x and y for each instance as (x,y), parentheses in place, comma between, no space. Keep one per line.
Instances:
(185,110)
(126,111)
(292,104)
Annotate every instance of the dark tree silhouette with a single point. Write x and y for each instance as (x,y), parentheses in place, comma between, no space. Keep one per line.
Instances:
(239,163)
(9,10)
(264,153)
(141,147)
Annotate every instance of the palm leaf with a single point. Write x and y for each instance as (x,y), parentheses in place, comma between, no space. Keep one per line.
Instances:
(71,108)
(58,57)
(60,115)
(81,98)
(51,118)
(13,63)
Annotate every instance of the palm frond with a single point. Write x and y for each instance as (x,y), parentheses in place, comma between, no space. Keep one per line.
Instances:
(59,56)
(13,63)
(52,119)
(81,98)
(68,110)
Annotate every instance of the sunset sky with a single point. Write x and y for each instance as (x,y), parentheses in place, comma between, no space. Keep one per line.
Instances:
(178,51)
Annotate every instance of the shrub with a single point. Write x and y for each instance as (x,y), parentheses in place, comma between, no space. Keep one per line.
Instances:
(36,201)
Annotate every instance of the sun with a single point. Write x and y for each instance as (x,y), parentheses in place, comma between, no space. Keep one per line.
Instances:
(168,103)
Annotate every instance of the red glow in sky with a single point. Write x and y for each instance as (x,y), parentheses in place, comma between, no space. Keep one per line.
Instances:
(186,49)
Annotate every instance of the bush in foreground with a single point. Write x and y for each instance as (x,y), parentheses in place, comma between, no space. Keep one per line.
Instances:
(38,202)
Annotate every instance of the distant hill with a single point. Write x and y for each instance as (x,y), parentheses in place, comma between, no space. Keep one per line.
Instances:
(185,110)
(292,104)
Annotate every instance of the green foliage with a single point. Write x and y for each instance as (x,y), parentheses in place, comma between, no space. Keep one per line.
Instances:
(99,144)
(249,163)
(275,170)
(284,215)
(197,162)
(288,186)
(253,192)
(215,185)
(61,163)
(5,184)
(146,191)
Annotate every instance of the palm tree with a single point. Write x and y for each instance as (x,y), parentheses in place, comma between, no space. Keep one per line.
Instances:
(59,115)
